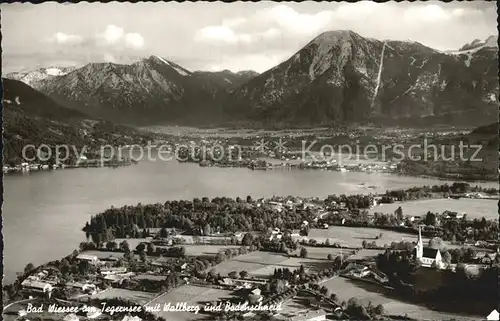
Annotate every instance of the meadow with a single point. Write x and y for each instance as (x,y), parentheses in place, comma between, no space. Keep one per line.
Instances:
(474,208)
(192,295)
(366,292)
(207,250)
(354,236)
(262,264)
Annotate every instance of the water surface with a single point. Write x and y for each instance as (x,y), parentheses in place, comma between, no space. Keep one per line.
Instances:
(44,211)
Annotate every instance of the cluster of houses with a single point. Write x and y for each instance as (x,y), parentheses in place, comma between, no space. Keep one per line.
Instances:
(26,167)
(289,203)
(249,287)
(446,215)
(362,271)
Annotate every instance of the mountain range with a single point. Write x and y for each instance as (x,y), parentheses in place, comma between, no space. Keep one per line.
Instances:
(338,77)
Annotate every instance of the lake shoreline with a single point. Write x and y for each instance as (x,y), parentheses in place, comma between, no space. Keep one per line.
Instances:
(71,196)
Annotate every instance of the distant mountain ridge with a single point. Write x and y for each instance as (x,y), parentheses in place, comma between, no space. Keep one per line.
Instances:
(338,77)
(143,92)
(491,41)
(341,77)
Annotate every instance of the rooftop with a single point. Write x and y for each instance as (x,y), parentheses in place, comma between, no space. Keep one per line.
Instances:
(429,252)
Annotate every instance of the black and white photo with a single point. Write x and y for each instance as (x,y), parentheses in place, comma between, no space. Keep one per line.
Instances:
(302,161)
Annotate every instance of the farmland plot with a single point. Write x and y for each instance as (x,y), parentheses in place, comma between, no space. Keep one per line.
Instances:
(474,208)
(208,250)
(262,264)
(366,292)
(354,236)
(249,262)
(192,295)
(138,297)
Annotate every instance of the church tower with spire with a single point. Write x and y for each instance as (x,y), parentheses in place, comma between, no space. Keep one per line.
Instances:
(419,248)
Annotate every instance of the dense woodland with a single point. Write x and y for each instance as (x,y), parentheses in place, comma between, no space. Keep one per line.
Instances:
(21,130)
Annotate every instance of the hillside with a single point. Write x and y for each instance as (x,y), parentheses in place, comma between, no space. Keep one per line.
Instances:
(32,78)
(20,97)
(339,77)
(491,129)
(31,118)
(342,77)
(145,92)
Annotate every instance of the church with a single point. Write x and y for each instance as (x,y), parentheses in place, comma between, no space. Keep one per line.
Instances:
(428,256)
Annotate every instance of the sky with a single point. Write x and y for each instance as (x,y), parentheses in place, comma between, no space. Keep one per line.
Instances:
(216,36)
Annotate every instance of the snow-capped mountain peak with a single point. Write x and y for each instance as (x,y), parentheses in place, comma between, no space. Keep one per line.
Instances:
(31,78)
(490,42)
(160,60)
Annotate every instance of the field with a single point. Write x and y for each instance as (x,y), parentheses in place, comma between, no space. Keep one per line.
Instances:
(138,297)
(365,254)
(104,254)
(366,292)
(207,250)
(192,295)
(474,208)
(354,236)
(262,264)
(190,239)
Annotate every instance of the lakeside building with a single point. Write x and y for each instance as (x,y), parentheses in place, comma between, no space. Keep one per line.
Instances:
(37,287)
(84,287)
(113,270)
(89,258)
(428,256)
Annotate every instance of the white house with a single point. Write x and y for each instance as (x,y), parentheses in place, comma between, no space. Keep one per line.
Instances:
(37,286)
(415,219)
(131,318)
(318,315)
(93,314)
(89,258)
(256,291)
(494,315)
(85,287)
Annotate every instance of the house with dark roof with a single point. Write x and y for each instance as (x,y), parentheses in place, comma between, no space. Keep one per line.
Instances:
(428,256)
(37,287)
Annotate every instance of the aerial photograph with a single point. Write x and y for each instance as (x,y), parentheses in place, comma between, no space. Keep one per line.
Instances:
(281,161)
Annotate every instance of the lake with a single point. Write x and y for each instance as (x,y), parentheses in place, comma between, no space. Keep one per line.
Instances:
(44,211)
